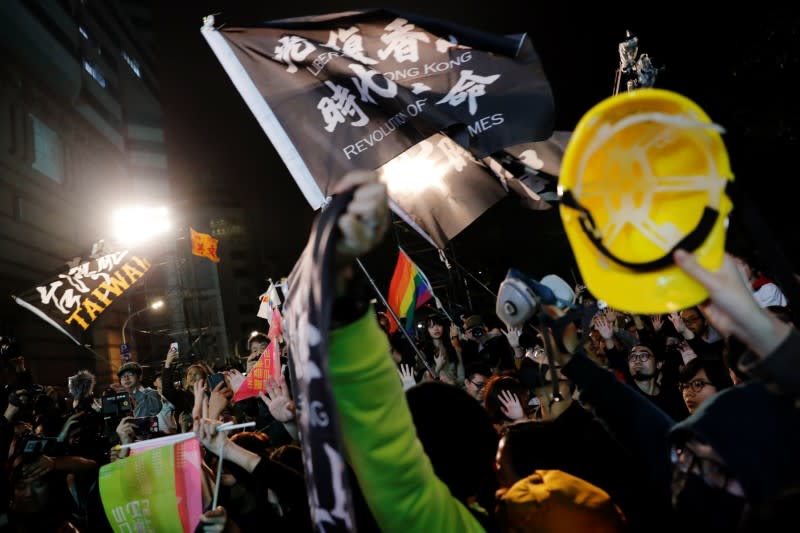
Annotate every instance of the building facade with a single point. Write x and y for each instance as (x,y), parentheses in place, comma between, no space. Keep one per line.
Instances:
(80,134)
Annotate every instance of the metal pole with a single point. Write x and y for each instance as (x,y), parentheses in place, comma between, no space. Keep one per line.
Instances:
(389,308)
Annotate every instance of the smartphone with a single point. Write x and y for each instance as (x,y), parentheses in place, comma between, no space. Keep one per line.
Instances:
(173,346)
(145,427)
(214,380)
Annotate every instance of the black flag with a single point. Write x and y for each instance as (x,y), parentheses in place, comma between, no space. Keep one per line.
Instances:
(307,319)
(72,300)
(421,100)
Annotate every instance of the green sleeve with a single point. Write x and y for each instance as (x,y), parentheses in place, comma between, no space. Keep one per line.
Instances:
(394,473)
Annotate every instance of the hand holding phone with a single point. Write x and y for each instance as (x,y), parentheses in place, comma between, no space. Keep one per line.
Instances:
(214,380)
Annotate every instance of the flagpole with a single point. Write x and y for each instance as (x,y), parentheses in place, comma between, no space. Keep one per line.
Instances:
(425,278)
(391,311)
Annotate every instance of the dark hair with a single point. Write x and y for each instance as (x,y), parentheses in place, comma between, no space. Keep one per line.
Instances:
(81,384)
(290,455)
(461,445)
(732,351)
(427,341)
(253,441)
(715,369)
(263,339)
(477,368)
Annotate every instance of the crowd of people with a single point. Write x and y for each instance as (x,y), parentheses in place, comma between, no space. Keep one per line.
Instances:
(619,422)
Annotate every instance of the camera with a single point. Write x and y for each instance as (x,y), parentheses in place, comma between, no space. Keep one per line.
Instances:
(34,445)
(145,427)
(476,332)
(116,405)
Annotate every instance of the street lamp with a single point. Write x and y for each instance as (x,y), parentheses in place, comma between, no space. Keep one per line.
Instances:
(155,305)
(135,225)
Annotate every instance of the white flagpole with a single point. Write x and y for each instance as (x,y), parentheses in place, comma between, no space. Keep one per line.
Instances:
(38,312)
(264,115)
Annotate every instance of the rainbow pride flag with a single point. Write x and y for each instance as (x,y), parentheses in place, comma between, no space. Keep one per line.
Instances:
(408,291)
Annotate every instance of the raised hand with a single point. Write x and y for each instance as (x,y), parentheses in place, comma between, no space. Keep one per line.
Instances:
(41,466)
(236,378)
(171,355)
(366,219)
(657,321)
(680,327)
(218,400)
(208,435)
(603,327)
(513,336)
(686,351)
(731,308)
(280,404)
(510,405)
(407,376)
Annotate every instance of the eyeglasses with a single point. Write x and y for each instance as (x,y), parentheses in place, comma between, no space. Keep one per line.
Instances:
(641,356)
(478,386)
(696,385)
(691,319)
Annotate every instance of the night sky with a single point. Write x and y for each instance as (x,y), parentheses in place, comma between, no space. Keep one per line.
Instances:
(739,70)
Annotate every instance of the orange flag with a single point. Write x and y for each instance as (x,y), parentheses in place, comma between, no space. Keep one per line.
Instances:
(204,245)
(268,365)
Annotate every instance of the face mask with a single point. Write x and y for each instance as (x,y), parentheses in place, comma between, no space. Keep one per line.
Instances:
(706,508)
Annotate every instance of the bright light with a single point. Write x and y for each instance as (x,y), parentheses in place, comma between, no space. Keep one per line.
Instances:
(157,304)
(411,177)
(134,225)
(253,333)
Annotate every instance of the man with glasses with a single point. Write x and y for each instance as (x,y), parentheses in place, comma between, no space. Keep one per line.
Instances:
(477,374)
(645,371)
(704,339)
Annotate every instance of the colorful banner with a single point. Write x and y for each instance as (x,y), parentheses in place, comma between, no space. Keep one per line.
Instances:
(204,245)
(154,490)
(73,300)
(268,365)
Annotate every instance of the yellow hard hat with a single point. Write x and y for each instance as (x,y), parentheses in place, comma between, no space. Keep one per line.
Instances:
(645,172)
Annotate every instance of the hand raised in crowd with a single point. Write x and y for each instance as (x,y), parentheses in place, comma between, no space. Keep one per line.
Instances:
(171,355)
(200,407)
(41,466)
(731,308)
(511,406)
(279,402)
(218,400)
(686,351)
(236,378)
(68,424)
(680,327)
(407,376)
(603,327)
(657,321)
(209,437)
(513,336)
(366,219)
(125,430)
